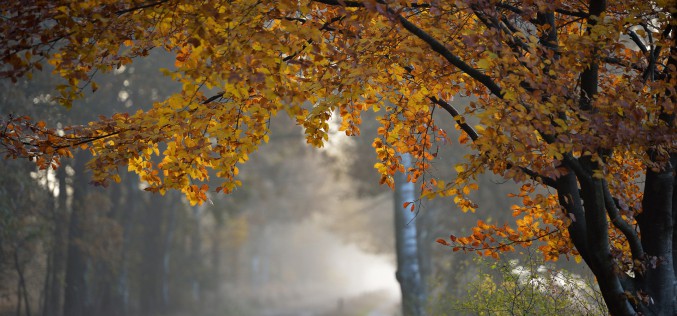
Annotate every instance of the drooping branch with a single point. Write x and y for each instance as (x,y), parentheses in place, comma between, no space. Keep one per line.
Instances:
(325,26)
(141,7)
(451,57)
(474,136)
(638,41)
(562,11)
(359,4)
(214,97)
(502,25)
(455,114)
(348,4)
(628,231)
(436,46)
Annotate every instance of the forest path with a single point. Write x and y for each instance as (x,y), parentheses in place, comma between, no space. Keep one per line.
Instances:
(377,303)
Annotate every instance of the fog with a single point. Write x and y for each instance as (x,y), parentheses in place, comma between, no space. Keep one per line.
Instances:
(304,269)
(309,232)
(312,245)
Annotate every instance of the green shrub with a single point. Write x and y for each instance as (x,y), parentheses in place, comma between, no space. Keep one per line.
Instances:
(533,288)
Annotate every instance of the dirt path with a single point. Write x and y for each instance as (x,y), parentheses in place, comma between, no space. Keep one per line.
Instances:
(367,304)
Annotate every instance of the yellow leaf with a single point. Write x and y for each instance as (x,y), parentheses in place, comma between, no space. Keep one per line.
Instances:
(483,64)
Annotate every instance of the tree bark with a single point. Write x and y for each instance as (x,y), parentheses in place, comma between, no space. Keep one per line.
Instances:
(408,268)
(656,225)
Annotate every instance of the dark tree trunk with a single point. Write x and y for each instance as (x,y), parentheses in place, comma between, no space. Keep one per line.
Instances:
(21,291)
(656,225)
(76,294)
(589,211)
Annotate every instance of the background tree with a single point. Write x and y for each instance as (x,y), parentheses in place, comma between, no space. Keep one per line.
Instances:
(574,99)
(406,245)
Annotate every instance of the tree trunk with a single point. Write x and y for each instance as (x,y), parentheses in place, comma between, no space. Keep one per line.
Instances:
(129,206)
(656,225)
(196,245)
(54,281)
(103,287)
(76,296)
(172,206)
(408,269)
(21,292)
(150,291)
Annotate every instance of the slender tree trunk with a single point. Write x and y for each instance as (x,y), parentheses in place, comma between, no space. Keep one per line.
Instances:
(76,296)
(105,272)
(21,292)
(55,273)
(18,298)
(46,285)
(153,253)
(196,244)
(128,207)
(216,254)
(425,243)
(166,258)
(408,267)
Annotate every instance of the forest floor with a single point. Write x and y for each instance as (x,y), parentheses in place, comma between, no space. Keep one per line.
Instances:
(367,304)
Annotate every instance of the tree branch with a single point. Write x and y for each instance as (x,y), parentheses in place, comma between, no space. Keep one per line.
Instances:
(454,113)
(638,41)
(627,230)
(517,10)
(450,57)
(141,7)
(435,45)
(214,97)
(357,4)
(349,4)
(474,136)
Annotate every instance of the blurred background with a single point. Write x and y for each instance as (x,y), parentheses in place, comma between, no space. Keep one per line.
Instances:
(310,232)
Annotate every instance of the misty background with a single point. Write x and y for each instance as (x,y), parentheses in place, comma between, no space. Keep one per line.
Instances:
(310,232)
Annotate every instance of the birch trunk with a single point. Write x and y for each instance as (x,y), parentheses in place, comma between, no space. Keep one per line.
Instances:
(408,268)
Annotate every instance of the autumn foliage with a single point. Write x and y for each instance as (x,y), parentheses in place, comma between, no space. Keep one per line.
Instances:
(574,100)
